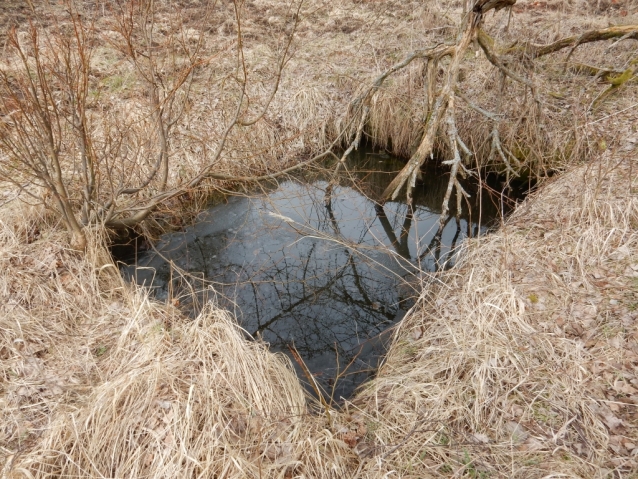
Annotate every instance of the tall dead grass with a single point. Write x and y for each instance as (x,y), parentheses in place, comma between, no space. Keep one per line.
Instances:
(99,380)
(493,373)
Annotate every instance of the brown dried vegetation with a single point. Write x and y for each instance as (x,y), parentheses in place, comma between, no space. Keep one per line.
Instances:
(521,362)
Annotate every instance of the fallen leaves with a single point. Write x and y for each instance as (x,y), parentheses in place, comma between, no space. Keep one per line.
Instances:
(354,431)
(612,422)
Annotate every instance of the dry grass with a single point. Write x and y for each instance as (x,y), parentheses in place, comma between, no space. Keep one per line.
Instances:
(523,364)
(98,380)
(340,48)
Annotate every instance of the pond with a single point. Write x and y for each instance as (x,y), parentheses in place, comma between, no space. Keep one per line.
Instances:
(327,278)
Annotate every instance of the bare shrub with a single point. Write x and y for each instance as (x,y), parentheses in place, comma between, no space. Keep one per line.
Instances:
(100,161)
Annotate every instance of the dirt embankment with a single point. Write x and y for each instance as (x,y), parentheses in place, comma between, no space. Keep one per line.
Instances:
(522,362)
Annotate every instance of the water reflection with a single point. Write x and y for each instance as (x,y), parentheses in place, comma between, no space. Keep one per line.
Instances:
(326,277)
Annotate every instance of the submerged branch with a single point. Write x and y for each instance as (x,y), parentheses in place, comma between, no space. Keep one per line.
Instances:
(362,102)
(444,100)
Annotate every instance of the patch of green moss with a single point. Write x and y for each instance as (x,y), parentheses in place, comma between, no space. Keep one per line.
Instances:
(117,83)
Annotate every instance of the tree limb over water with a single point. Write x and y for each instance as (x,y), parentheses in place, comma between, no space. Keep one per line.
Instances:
(512,62)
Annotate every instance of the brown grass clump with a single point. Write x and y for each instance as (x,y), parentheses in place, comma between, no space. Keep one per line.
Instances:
(98,380)
(523,362)
(196,399)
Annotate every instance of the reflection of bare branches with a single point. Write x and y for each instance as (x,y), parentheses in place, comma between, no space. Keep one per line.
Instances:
(303,299)
(434,249)
(400,245)
(331,215)
(455,239)
(405,231)
(329,276)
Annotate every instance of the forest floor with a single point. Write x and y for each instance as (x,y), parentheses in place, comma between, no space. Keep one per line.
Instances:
(520,362)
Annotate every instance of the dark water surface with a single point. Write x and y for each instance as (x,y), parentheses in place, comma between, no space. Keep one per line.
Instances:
(329,280)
